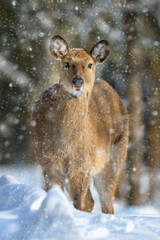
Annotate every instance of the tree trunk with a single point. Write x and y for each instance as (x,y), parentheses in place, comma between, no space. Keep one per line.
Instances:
(154,125)
(134,93)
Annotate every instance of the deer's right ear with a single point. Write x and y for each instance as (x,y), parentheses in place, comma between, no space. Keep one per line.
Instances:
(58,47)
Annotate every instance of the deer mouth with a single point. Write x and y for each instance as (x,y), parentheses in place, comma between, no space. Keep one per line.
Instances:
(78,89)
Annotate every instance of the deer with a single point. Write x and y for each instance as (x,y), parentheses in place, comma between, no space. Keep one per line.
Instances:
(80,130)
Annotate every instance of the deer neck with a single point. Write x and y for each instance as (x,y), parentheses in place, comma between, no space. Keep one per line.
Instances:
(73,113)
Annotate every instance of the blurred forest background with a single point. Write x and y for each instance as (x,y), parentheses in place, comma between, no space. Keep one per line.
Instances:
(132,28)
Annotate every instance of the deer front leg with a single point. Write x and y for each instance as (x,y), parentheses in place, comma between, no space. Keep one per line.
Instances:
(80,193)
(88,202)
(53,175)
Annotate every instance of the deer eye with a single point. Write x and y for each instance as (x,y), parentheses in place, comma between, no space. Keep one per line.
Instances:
(90,65)
(66,65)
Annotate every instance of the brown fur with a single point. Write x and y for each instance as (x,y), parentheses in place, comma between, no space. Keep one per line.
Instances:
(79,137)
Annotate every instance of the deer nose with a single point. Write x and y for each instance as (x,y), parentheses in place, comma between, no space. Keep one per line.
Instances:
(78,82)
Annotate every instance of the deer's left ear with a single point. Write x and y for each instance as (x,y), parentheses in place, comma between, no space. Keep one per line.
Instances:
(100,51)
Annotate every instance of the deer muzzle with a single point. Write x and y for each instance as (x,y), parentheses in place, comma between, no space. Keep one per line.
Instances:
(77,83)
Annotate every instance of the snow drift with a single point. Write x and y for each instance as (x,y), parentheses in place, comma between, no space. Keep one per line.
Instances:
(29,213)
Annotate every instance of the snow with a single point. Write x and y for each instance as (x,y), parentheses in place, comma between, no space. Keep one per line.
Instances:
(27,212)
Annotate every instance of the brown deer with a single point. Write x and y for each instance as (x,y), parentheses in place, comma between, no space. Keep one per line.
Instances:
(81,128)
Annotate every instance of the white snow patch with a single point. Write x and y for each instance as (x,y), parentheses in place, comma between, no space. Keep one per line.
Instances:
(37,203)
(130,227)
(29,213)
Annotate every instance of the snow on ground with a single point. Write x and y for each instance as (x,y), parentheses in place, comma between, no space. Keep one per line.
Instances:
(27,174)
(29,213)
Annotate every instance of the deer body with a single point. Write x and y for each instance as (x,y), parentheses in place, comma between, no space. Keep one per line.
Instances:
(81,130)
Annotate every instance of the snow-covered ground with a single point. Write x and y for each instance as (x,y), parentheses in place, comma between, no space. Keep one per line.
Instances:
(29,213)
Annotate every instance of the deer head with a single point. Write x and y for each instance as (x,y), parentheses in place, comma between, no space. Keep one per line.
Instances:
(78,65)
